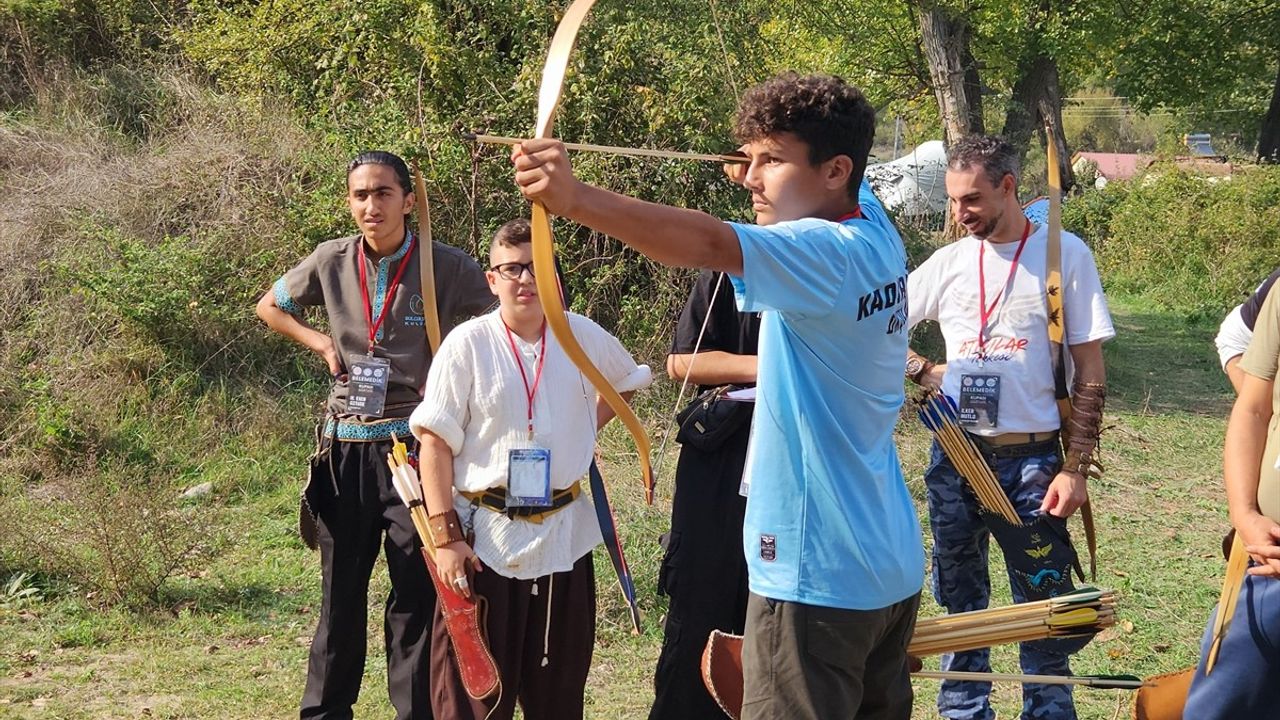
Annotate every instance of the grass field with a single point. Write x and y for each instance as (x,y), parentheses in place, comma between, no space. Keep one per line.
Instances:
(231,640)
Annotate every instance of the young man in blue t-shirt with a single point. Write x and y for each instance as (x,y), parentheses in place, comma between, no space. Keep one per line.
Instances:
(832,540)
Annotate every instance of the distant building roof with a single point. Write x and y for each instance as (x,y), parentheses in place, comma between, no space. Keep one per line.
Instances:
(1114,166)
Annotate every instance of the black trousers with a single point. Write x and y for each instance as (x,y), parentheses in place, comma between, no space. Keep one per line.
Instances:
(357,511)
(542,634)
(704,574)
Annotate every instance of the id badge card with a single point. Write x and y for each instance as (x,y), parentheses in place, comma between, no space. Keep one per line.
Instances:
(979,405)
(529,477)
(367,385)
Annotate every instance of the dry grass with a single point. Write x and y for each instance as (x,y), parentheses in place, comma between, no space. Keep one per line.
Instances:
(139,217)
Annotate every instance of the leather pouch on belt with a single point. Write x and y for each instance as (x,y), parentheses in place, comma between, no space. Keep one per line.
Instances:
(722,671)
(464,622)
(308,529)
(319,481)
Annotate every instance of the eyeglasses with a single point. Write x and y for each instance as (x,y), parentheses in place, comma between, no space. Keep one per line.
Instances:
(513,270)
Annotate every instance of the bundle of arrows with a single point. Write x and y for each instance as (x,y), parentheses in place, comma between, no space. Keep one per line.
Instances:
(938,413)
(405,480)
(1083,612)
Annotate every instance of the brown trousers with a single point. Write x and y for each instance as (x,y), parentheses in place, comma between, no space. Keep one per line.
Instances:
(804,662)
(543,665)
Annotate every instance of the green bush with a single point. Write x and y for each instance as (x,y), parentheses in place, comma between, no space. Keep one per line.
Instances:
(1192,243)
(43,41)
(134,365)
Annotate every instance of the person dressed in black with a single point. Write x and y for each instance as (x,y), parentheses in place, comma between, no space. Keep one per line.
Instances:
(704,572)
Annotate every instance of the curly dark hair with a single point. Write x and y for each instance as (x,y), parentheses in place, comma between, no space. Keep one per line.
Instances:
(831,116)
(992,153)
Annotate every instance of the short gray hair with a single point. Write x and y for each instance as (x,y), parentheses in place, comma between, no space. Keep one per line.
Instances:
(992,153)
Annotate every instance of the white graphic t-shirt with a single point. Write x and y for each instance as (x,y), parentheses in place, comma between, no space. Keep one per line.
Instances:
(1015,348)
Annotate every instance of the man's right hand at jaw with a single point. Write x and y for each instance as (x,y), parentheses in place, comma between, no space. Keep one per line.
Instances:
(544,174)
(454,564)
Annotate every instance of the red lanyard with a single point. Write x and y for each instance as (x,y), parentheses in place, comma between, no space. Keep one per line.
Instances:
(985,311)
(537,374)
(855,215)
(374,324)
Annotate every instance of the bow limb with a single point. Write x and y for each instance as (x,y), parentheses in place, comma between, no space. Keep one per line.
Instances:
(1237,564)
(553,74)
(1058,324)
(426,254)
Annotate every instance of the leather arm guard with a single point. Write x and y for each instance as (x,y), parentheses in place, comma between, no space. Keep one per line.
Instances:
(445,528)
(1081,432)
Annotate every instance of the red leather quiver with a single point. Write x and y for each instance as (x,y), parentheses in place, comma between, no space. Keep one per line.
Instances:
(462,619)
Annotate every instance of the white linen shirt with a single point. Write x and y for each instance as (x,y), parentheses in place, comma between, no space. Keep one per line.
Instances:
(475,400)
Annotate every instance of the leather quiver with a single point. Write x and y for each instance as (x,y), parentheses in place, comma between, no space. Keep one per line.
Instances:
(722,671)
(463,619)
(1164,696)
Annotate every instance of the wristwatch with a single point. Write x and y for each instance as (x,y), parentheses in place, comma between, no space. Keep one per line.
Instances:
(915,366)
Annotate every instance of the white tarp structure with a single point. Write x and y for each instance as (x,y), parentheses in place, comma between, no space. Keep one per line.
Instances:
(914,184)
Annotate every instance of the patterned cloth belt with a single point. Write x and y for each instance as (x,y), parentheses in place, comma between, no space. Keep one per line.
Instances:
(495,499)
(1014,445)
(351,430)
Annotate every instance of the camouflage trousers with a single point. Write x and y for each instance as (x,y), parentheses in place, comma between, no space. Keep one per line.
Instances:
(961,583)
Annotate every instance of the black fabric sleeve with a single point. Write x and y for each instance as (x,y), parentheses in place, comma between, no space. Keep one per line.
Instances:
(1251,307)
(695,312)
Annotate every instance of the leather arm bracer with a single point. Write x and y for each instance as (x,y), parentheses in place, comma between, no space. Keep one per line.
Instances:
(445,528)
(1082,430)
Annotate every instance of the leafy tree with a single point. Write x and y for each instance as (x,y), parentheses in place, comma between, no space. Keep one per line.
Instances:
(409,76)
(1215,59)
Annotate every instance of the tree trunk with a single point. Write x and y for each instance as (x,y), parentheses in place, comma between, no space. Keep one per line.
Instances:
(1037,100)
(953,72)
(1269,135)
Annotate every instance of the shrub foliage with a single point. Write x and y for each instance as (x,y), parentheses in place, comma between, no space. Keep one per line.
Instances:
(1192,243)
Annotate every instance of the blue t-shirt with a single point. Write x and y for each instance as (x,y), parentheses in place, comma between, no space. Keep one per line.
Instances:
(829,519)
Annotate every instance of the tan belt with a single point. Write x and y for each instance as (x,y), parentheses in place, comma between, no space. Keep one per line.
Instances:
(495,499)
(1004,439)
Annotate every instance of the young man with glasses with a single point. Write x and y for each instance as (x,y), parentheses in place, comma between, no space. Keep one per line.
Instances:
(508,427)
(833,545)
(369,285)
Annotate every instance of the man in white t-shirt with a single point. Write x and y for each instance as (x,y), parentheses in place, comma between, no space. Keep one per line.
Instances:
(987,293)
(508,427)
